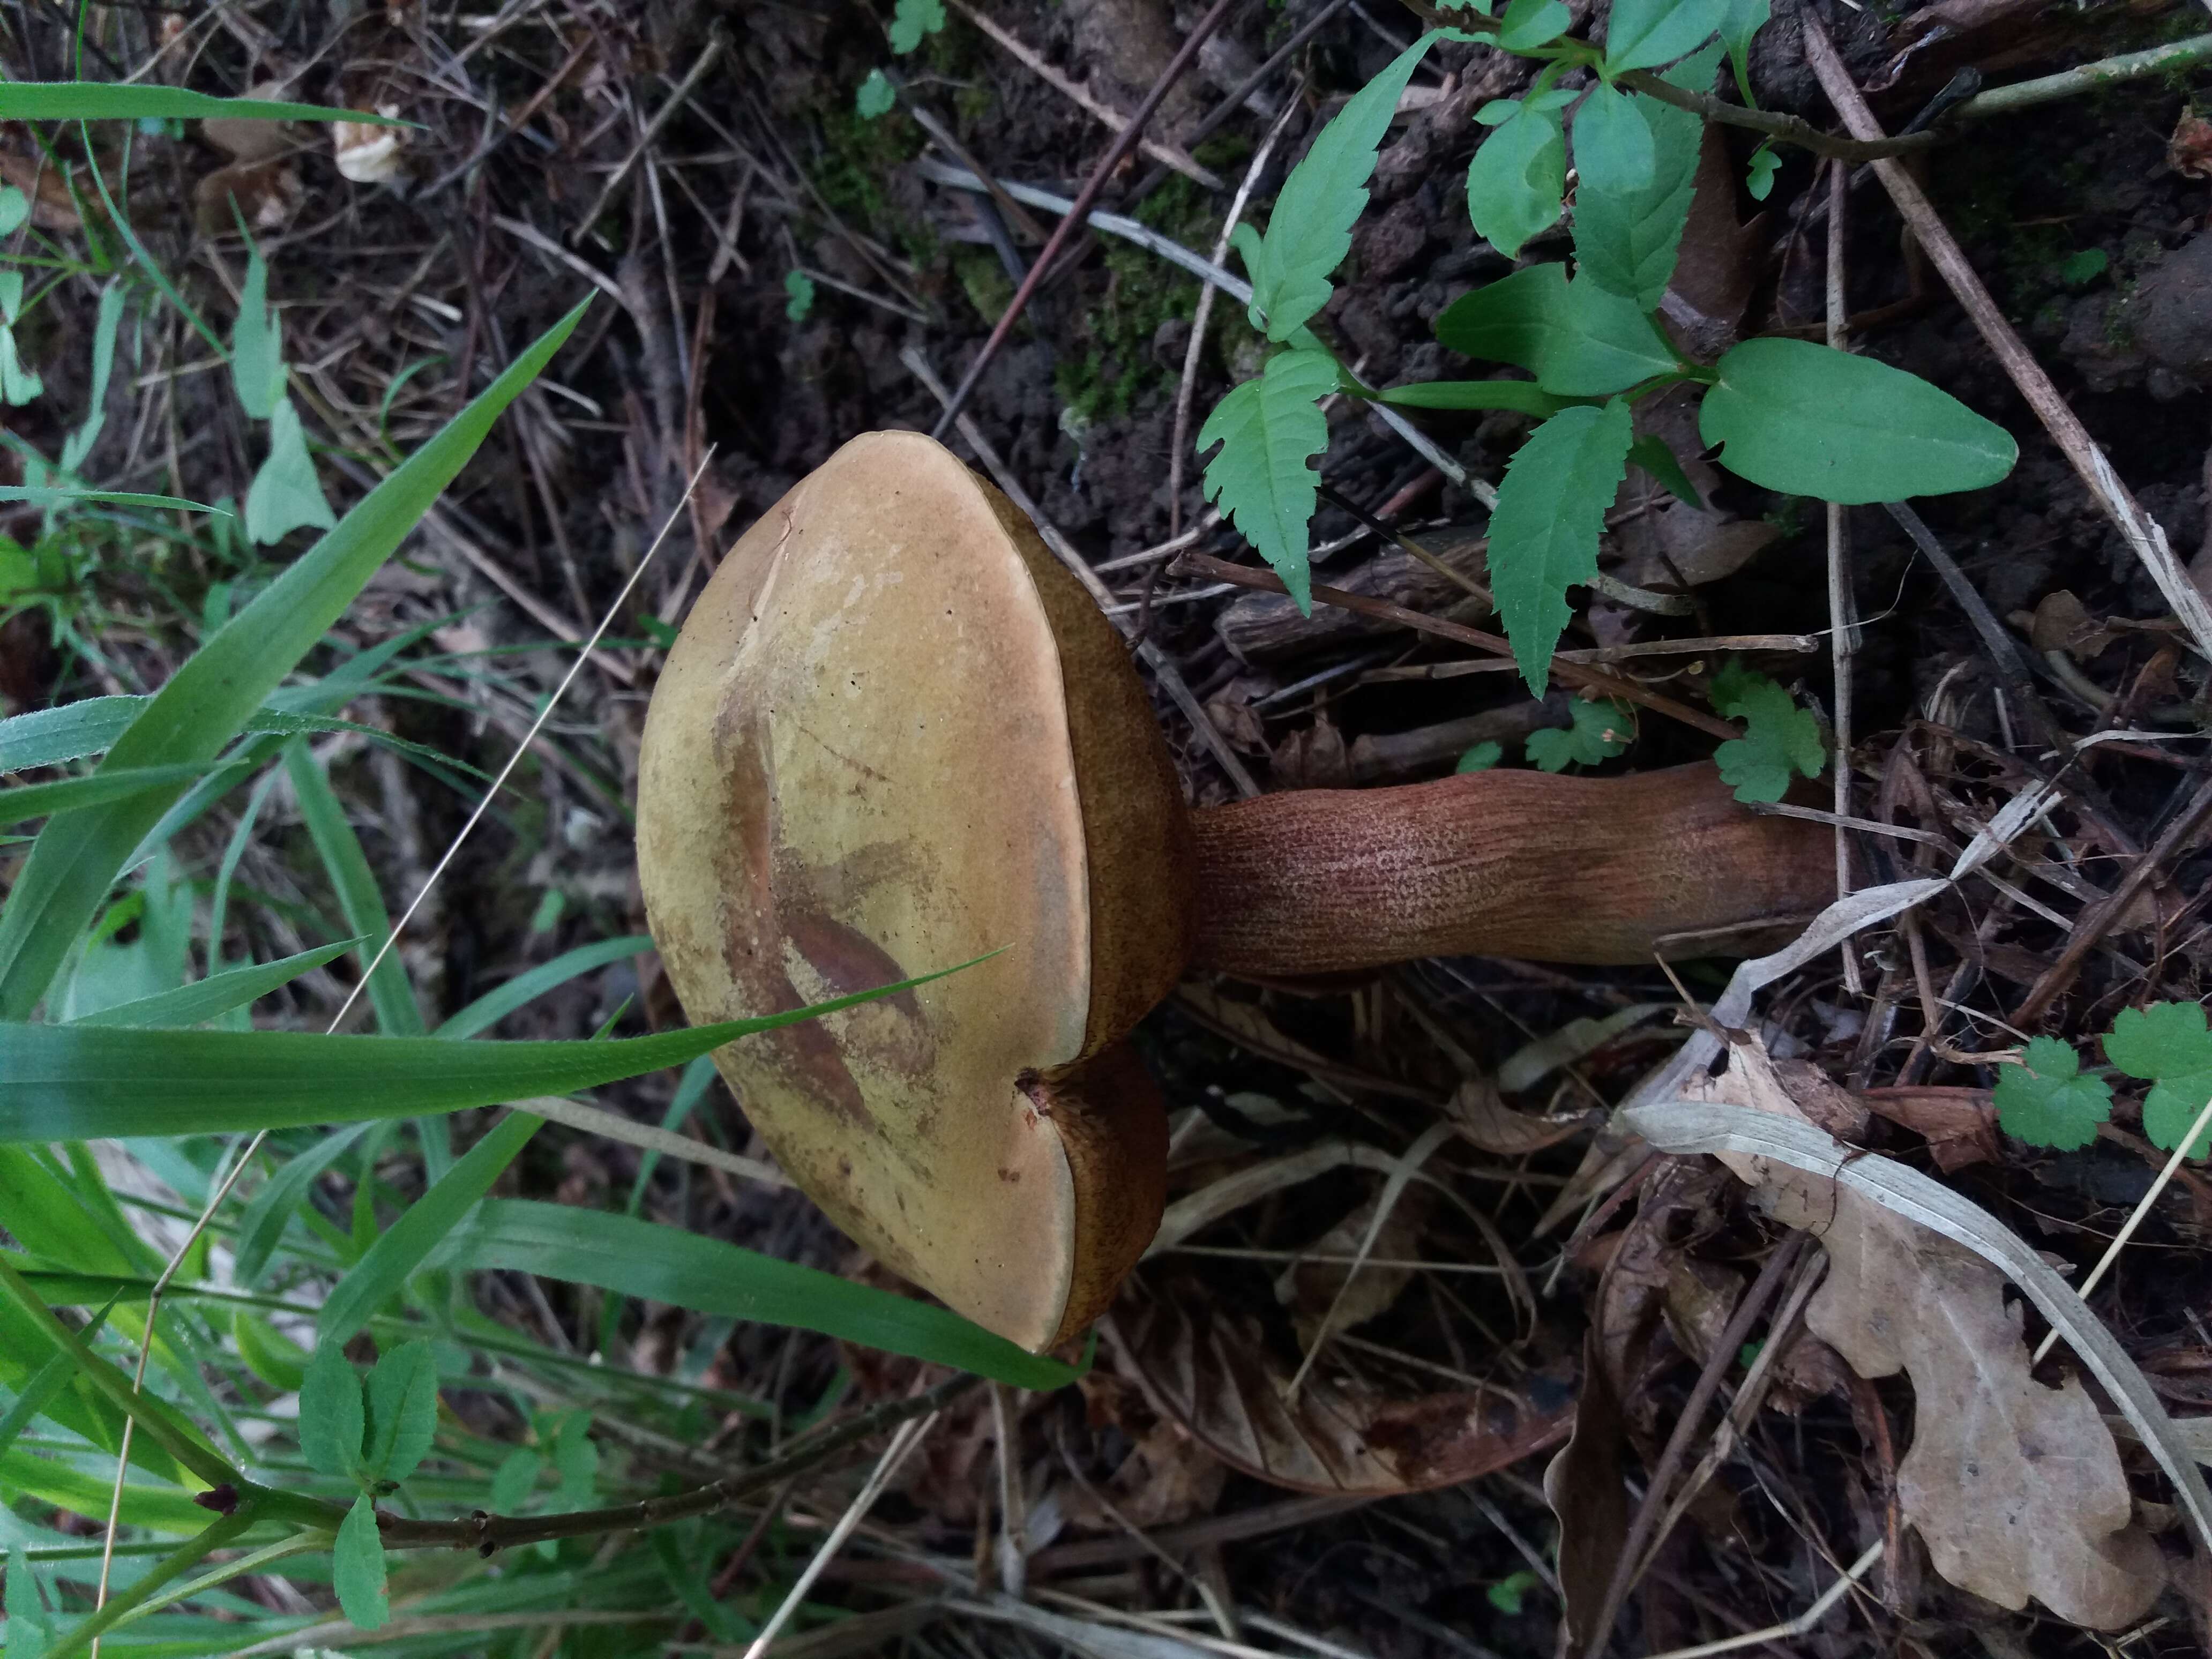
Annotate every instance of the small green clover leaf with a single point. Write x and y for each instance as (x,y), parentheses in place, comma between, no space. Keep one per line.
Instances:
(333,1414)
(1780,736)
(1601,731)
(1759,175)
(800,289)
(357,1567)
(1508,1593)
(2047,1100)
(2167,1045)
(875,95)
(912,20)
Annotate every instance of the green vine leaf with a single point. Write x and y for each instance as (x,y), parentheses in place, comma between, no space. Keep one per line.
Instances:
(2047,1102)
(1779,738)
(285,493)
(876,97)
(333,1419)
(1543,535)
(403,1411)
(1599,731)
(1809,420)
(1530,23)
(1519,174)
(1269,429)
(1651,452)
(1743,19)
(1578,338)
(1644,33)
(357,1567)
(1615,151)
(1626,240)
(1309,231)
(2166,1044)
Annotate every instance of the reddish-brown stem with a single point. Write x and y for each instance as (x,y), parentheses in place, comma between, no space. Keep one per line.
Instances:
(1502,864)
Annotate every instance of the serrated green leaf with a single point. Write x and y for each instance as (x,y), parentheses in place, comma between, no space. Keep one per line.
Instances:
(798,287)
(1615,151)
(285,495)
(407,1242)
(1522,397)
(1809,420)
(269,1353)
(912,20)
(1742,20)
(333,1418)
(2168,1045)
(1516,179)
(77,855)
(1651,452)
(1578,339)
(403,1412)
(2047,1101)
(1626,240)
(875,95)
(1481,758)
(256,344)
(1596,732)
(357,1567)
(1268,429)
(1309,231)
(1779,738)
(1544,532)
(515,1479)
(1527,23)
(1643,34)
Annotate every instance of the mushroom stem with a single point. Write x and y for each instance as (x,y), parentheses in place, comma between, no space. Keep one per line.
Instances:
(1501,864)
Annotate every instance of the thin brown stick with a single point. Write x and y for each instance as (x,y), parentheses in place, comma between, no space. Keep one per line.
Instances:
(1843,618)
(1573,673)
(2139,529)
(1123,143)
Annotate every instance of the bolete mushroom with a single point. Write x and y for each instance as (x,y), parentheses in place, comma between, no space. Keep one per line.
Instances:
(895,734)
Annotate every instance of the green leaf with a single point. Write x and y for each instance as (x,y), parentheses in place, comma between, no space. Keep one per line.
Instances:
(48,737)
(285,495)
(18,385)
(257,345)
(1267,428)
(45,496)
(1651,453)
(281,1198)
(333,1418)
(78,445)
(1759,172)
(269,1354)
(1599,731)
(799,286)
(515,1479)
(15,208)
(1509,1592)
(397,1012)
(403,1411)
(875,95)
(1522,397)
(642,1260)
(1528,23)
(215,995)
(1642,34)
(11,294)
(26,801)
(47,1382)
(357,1567)
(30,1628)
(1779,738)
(1578,340)
(402,1248)
(1481,758)
(2168,1045)
(72,1082)
(577,1459)
(88,101)
(1615,151)
(495,1004)
(1309,231)
(79,854)
(912,20)
(1808,420)
(2077,269)
(1543,535)
(1625,239)
(2047,1102)
(1742,20)
(1515,183)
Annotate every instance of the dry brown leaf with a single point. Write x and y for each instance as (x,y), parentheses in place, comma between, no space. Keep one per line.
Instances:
(42,182)
(1311,1288)
(1168,1476)
(1584,1488)
(1699,1297)
(1487,1121)
(1959,1124)
(2189,151)
(1212,1371)
(2016,1489)
(267,195)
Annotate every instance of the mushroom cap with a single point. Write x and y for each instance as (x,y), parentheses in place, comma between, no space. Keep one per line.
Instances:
(895,735)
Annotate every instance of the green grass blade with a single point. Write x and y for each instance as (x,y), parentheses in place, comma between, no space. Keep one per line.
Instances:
(647,1261)
(71,1082)
(401,1250)
(33,496)
(218,994)
(495,1004)
(281,1198)
(212,696)
(38,800)
(46,1382)
(48,737)
(91,100)
(393,998)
